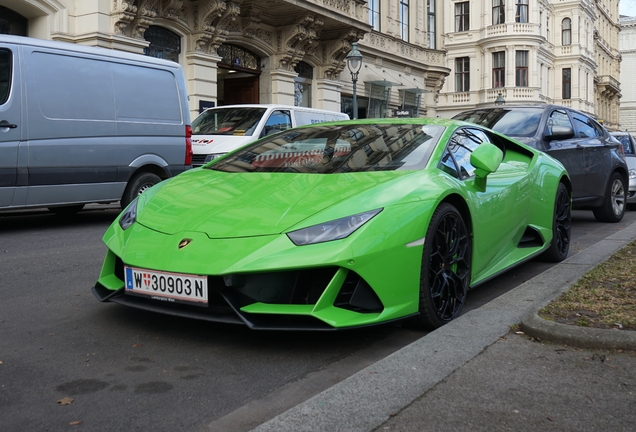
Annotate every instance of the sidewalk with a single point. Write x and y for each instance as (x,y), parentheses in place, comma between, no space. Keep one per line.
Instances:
(475,374)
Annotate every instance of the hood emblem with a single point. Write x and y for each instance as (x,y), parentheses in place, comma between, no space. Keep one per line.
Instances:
(183,243)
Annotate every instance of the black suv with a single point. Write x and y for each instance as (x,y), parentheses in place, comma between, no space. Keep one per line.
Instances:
(592,157)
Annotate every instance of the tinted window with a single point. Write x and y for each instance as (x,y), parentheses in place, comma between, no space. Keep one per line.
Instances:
(585,126)
(558,118)
(277,121)
(626,142)
(337,149)
(456,158)
(227,121)
(518,122)
(5,75)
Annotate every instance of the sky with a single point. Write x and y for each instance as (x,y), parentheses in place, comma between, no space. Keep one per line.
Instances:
(627,7)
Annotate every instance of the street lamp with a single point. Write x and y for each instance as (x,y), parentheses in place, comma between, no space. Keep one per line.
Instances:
(500,100)
(354,63)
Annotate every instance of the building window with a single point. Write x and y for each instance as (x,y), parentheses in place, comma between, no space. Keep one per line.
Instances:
(521,68)
(235,57)
(567,83)
(566,32)
(462,16)
(404,20)
(462,74)
(499,69)
(498,12)
(163,43)
(430,13)
(521,12)
(302,84)
(374,14)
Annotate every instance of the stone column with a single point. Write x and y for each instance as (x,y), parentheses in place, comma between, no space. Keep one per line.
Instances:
(282,90)
(328,94)
(201,78)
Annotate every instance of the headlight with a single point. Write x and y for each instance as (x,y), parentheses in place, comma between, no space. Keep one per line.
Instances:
(632,173)
(333,230)
(129,215)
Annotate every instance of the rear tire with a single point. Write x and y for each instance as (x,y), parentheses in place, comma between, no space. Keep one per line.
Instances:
(615,203)
(446,263)
(138,184)
(561,227)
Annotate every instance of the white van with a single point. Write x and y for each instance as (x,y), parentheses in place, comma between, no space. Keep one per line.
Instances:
(83,125)
(219,130)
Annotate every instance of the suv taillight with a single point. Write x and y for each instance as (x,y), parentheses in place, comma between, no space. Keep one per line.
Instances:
(188,154)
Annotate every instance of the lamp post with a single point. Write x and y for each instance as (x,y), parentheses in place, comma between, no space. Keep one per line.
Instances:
(354,63)
(500,100)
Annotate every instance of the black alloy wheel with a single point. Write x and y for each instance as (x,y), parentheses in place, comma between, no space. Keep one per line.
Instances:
(561,227)
(446,264)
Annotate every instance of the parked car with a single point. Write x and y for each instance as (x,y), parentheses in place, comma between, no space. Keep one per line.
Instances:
(219,130)
(629,150)
(591,156)
(339,225)
(83,125)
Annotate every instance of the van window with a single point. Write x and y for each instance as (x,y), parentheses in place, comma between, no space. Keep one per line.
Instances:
(5,75)
(278,121)
(227,121)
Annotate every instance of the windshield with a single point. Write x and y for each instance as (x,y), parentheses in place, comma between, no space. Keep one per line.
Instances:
(227,121)
(337,149)
(517,122)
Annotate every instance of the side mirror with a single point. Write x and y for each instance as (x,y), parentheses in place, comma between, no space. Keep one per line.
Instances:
(558,133)
(486,159)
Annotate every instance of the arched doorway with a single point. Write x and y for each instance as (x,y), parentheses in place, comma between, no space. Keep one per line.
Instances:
(12,22)
(237,75)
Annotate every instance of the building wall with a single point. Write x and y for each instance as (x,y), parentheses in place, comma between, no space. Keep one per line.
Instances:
(627,47)
(400,67)
(591,56)
(281,33)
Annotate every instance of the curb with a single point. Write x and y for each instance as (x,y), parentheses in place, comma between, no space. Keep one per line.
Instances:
(582,337)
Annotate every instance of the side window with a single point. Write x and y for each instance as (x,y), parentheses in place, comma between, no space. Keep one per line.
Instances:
(585,126)
(5,75)
(456,158)
(558,118)
(278,121)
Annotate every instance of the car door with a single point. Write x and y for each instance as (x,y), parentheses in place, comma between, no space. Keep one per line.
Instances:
(499,212)
(567,151)
(597,159)
(10,123)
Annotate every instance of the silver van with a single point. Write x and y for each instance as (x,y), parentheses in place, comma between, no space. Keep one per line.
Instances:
(219,130)
(83,125)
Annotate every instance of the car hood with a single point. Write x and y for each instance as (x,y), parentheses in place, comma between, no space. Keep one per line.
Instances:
(224,205)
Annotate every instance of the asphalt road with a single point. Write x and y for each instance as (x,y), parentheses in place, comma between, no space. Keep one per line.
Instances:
(69,362)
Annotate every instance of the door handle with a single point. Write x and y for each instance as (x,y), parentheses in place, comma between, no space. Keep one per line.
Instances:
(6,124)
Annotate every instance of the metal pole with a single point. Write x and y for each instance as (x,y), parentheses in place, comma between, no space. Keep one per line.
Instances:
(355,96)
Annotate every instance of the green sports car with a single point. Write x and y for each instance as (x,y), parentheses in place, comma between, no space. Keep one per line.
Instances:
(340,225)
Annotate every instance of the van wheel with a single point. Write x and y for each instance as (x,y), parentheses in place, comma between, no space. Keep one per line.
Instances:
(66,210)
(138,184)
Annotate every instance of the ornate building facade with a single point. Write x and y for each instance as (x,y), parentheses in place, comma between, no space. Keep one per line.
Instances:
(266,51)
(425,57)
(627,46)
(540,51)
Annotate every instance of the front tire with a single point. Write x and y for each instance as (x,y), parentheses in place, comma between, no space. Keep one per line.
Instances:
(446,264)
(615,203)
(138,184)
(561,227)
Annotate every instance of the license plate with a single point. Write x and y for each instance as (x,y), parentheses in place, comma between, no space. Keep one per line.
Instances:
(164,286)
